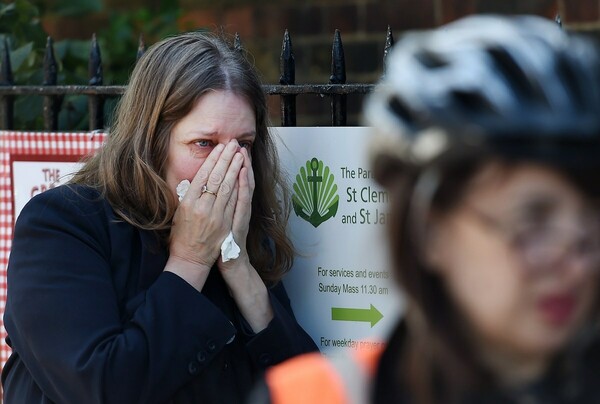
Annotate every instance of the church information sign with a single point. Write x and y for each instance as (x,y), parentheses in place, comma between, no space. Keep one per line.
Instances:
(340,287)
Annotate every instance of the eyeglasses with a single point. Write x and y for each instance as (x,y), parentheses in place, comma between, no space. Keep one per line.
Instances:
(545,244)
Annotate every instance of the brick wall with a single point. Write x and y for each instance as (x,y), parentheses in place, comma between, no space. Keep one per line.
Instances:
(363,24)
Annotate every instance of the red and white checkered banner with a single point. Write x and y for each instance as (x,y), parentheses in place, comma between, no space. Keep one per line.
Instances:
(32,162)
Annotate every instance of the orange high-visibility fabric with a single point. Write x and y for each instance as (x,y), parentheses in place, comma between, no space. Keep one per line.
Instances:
(369,358)
(309,378)
(313,378)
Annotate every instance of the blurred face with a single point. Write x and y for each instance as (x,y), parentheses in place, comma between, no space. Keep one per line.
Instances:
(217,117)
(518,256)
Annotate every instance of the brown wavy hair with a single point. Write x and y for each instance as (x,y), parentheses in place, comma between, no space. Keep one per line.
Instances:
(166,83)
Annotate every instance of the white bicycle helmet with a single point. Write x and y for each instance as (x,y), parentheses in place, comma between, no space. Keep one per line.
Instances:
(520,86)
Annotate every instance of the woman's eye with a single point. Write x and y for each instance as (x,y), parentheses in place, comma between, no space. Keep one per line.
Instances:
(246,145)
(204,143)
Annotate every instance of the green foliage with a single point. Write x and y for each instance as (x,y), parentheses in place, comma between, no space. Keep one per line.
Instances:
(21,18)
(21,28)
(77,7)
(122,35)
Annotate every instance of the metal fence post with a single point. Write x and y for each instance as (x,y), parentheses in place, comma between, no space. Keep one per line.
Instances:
(6,101)
(51,103)
(287,68)
(95,102)
(237,43)
(338,76)
(141,48)
(389,42)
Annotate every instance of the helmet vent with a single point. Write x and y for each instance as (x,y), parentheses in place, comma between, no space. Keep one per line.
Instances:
(401,111)
(472,102)
(517,81)
(430,60)
(571,82)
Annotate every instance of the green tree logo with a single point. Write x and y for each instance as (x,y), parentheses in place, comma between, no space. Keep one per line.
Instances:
(315,197)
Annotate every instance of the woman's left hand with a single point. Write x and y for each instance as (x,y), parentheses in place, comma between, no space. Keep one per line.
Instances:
(245,285)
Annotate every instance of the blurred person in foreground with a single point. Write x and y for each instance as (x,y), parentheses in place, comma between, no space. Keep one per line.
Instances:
(120,293)
(488,141)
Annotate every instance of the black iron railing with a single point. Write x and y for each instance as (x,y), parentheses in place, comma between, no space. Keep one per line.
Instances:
(337,88)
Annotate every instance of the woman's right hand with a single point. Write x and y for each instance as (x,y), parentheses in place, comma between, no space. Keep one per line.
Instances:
(204,219)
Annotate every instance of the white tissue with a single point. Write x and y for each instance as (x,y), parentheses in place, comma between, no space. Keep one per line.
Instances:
(182,188)
(229,249)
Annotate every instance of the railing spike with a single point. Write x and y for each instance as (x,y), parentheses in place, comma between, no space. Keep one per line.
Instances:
(338,62)
(237,42)
(141,48)
(50,67)
(51,103)
(287,68)
(389,43)
(95,64)
(6,76)
(6,79)
(338,76)
(95,103)
(287,64)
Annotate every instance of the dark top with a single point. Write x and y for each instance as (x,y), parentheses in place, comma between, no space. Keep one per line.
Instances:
(92,317)
(573,379)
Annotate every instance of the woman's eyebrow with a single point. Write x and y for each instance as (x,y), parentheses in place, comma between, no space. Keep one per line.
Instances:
(250,134)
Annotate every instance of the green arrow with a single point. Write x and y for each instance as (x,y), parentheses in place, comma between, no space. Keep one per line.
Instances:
(371,315)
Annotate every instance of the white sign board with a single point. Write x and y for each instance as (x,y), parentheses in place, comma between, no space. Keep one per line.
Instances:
(33,177)
(340,288)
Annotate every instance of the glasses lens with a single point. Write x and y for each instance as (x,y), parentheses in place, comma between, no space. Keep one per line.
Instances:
(545,246)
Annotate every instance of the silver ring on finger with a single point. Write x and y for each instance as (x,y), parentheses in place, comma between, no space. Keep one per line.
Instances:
(205,190)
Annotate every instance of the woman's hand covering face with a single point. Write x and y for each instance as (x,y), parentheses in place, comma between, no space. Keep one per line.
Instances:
(203,219)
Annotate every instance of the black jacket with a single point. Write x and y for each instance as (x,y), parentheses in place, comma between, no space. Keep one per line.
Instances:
(92,317)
